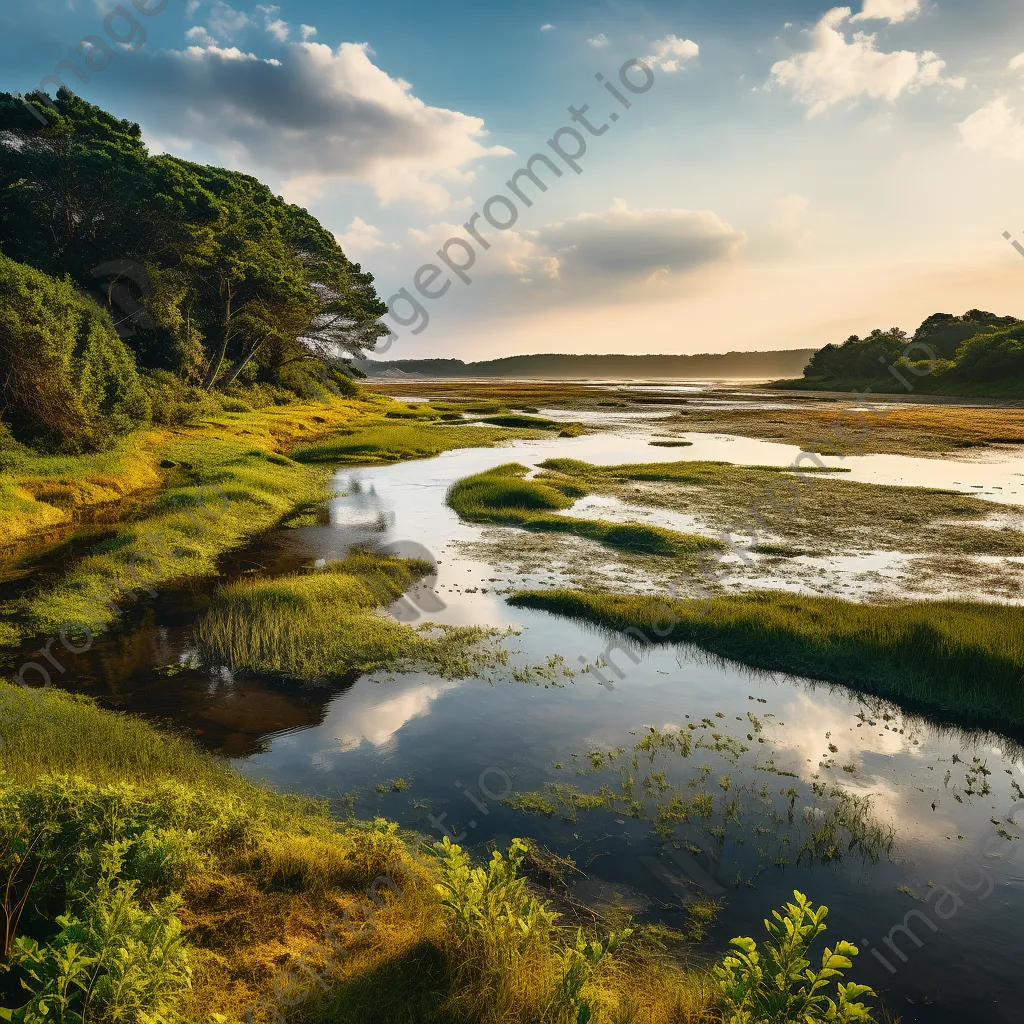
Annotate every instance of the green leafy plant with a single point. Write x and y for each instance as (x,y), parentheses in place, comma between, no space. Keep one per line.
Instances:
(491,904)
(578,963)
(112,960)
(776,985)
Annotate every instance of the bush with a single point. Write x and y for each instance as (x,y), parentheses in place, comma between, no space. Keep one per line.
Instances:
(174,402)
(69,382)
(777,986)
(990,357)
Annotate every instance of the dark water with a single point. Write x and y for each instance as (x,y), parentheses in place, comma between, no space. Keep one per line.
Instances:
(463,745)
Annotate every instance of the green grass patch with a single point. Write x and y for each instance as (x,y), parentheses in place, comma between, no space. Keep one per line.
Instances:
(951,657)
(385,442)
(524,422)
(503,496)
(324,624)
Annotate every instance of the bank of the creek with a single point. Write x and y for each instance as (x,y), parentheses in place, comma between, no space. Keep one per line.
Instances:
(770,751)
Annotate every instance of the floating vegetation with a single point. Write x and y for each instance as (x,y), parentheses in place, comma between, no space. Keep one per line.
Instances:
(704,817)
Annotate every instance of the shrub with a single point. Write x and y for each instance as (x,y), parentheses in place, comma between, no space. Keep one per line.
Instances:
(777,985)
(111,960)
(70,384)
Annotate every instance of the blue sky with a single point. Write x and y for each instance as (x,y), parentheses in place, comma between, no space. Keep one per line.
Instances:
(796,172)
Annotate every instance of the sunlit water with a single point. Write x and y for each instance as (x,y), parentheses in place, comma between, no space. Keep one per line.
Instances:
(463,745)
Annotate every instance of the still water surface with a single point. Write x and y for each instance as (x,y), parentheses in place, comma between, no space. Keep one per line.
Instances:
(759,746)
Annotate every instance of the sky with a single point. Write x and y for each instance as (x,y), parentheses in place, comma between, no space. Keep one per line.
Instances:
(752,174)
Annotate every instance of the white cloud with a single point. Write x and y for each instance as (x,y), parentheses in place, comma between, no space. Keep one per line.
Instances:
(274,25)
(599,40)
(669,52)
(627,244)
(1017,63)
(200,36)
(316,115)
(996,129)
(835,70)
(226,21)
(307,31)
(547,28)
(362,237)
(893,11)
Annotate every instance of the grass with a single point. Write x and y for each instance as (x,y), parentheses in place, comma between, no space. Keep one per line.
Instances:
(259,883)
(503,496)
(813,512)
(324,625)
(947,656)
(835,427)
(523,422)
(385,442)
(209,487)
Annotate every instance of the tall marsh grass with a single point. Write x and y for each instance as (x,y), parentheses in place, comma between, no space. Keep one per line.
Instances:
(324,624)
(952,657)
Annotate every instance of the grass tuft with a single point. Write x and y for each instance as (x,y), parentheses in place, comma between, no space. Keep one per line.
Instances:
(325,625)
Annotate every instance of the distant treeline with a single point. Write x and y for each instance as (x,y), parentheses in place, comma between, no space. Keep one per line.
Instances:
(730,364)
(976,353)
(137,288)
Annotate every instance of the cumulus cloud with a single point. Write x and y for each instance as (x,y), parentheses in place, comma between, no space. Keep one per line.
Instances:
(547,27)
(996,129)
(837,70)
(200,36)
(893,11)
(307,31)
(317,114)
(599,40)
(630,244)
(1017,63)
(362,237)
(225,21)
(278,28)
(669,53)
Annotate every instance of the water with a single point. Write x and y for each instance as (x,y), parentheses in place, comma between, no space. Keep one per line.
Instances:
(463,745)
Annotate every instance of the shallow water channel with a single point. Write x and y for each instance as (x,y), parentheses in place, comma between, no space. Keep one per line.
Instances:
(935,842)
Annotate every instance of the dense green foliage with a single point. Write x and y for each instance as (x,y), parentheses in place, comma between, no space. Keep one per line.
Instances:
(977,347)
(70,382)
(942,655)
(211,280)
(502,495)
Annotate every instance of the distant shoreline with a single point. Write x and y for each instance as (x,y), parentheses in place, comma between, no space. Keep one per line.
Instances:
(756,366)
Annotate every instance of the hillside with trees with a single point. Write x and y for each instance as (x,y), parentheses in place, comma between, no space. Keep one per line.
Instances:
(977,354)
(136,287)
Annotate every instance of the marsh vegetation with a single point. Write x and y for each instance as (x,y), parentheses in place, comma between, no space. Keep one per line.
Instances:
(325,624)
(943,655)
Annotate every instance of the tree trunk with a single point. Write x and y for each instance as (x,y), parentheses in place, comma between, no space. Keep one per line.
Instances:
(216,363)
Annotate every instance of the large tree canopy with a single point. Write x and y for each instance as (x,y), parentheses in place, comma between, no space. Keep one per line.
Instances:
(205,272)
